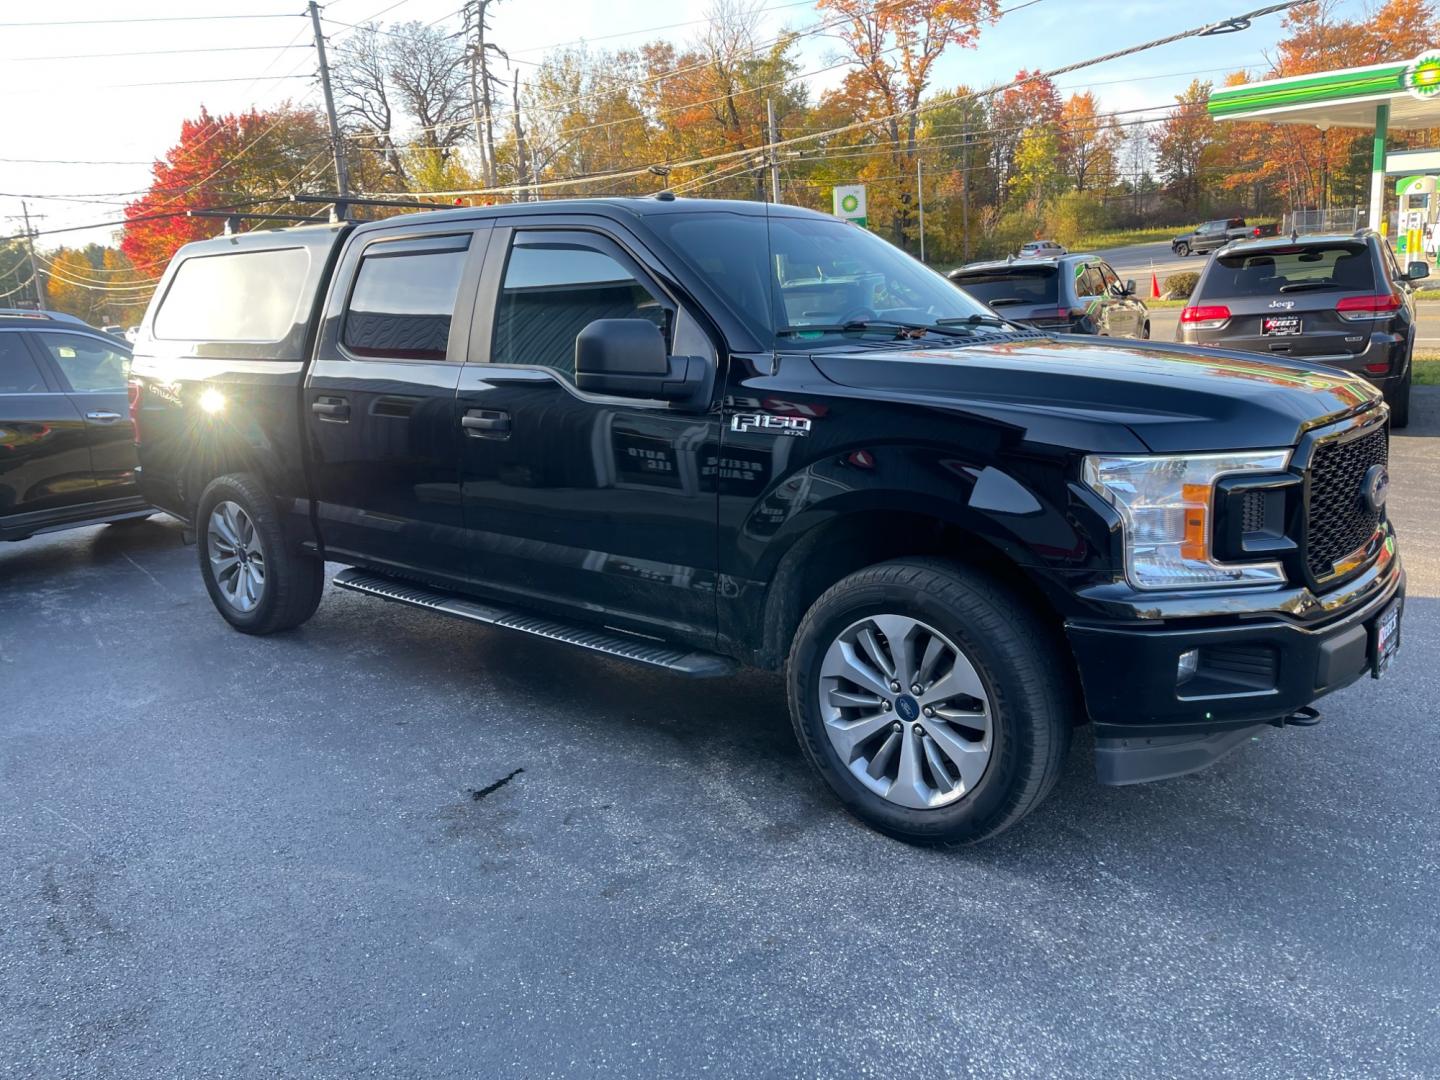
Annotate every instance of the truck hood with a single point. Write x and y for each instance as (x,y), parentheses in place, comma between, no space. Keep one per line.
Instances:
(1174,398)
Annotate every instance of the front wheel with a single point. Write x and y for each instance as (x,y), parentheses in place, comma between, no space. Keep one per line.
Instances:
(255,580)
(930,699)
(1183,251)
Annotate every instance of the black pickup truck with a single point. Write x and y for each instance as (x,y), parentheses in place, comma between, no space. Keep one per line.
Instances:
(698,434)
(1213,235)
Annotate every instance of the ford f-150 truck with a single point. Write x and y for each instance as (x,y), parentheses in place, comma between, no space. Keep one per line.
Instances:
(697,435)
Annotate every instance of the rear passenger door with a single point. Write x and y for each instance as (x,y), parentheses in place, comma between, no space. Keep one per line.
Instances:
(94,373)
(44,460)
(379,402)
(601,505)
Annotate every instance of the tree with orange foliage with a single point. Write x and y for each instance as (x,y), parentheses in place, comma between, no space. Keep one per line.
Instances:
(1184,140)
(894,47)
(223,161)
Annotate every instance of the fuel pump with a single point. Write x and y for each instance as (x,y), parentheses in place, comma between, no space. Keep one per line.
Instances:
(1417,210)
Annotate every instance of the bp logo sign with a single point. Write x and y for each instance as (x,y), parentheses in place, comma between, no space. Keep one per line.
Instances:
(850,202)
(1422,77)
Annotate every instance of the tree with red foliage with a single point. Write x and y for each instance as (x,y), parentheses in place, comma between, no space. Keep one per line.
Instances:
(220,162)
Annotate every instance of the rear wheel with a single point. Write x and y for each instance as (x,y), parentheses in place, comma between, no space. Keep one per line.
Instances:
(255,580)
(1399,399)
(930,700)
(1145,331)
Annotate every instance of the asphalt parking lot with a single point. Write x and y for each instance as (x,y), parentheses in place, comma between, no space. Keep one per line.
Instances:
(394,845)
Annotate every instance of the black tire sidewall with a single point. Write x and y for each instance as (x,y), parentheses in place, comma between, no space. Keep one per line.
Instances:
(228,489)
(1012,735)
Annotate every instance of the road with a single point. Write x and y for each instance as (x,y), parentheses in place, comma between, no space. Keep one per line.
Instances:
(1137,260)
(390,845)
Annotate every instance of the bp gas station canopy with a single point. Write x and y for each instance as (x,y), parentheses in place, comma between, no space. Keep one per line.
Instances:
(1400,95)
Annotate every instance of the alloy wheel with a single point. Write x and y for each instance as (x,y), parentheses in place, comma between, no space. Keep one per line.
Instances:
(237,558)
(906,710)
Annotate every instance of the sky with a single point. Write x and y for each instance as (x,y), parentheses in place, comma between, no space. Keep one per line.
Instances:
(60,107)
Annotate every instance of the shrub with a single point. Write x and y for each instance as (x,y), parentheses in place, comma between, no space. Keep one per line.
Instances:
(1180,286)
(1074,216)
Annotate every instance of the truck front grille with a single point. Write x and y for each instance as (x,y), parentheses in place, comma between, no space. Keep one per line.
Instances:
(1339,521)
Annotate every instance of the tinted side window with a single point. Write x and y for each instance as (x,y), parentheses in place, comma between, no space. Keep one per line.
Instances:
(18,371)
(88,363)
(1089,283)
(553,289)
(1108,276)
(403,299)
(244,296)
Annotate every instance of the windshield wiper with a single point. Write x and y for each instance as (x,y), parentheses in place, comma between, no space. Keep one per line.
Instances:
(982,320)
(903,329)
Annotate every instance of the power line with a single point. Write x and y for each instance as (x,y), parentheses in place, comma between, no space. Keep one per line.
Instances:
(148,52)
(152,19)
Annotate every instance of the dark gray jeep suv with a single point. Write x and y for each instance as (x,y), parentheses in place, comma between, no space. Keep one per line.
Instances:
(1338,300)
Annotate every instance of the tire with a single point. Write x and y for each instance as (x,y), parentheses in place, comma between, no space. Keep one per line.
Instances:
(1183,250)
(1399,399)
(285,584)
(1145,332)
(1024,732)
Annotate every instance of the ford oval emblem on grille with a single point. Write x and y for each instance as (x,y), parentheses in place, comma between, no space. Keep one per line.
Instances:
(1375,486)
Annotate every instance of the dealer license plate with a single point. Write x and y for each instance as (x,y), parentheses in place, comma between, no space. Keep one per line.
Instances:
(1387,638)
(1281,325)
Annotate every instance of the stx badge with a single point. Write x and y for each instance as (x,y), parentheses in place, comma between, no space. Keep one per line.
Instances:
(780,425)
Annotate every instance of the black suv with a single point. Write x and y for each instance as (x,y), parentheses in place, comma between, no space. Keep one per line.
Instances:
(67,451)
(1072,294)
(1338,300)
(698,434)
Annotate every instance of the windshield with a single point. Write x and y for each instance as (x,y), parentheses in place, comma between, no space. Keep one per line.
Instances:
(1291,269)
(1030,285)
(813,281)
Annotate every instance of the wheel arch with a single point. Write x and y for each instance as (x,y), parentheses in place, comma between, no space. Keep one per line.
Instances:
(861,533)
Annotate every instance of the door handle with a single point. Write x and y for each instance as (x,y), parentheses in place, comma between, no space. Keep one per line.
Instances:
(333,409)
(486,424)
(103,417)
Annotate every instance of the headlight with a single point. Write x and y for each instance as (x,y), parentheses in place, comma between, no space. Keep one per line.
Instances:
(1167,504)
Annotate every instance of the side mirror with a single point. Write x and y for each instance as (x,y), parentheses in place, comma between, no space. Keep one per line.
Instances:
(627,357)
(1416,271)
(1130,286)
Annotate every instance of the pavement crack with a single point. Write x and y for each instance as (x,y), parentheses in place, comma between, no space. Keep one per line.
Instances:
(480,793)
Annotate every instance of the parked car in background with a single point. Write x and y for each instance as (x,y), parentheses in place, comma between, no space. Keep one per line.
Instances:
(67,448)
(1339,300)
(1213,235)
(1069,294)
(1040,249)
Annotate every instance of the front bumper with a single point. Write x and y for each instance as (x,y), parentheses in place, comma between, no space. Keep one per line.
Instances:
(1255,668)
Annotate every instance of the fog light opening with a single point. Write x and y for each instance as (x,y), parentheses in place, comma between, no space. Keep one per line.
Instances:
(1187,666)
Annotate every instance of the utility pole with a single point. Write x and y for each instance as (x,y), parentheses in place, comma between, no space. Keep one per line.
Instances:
(35,277)
(774,153)
(920,195)
(522,154)
(965,191)
(342,172)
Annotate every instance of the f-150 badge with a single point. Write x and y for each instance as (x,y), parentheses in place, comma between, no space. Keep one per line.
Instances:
(780,425)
